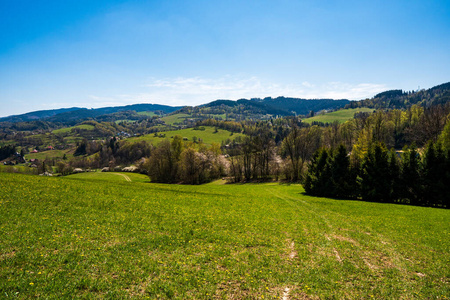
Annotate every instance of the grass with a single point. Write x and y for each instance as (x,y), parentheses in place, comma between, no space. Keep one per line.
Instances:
(208,136)
(73,237)
(69,129)
(341,115)
(176,118)
(112,176)
(18,169)
(50,154)
(147,113)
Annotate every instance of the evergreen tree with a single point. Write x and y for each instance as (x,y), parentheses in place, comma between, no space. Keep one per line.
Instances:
(341,175)
(311,174)
(81,149)
(446,179)
(318,179)
(394,173)
(434,175)
(375,179)
(410,176)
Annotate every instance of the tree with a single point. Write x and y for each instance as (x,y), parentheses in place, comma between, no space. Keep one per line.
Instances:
(375,181)
(435,181)
(394,174)
(162,166)
(410,179)
(318,178)
(299,146)
(342,177)
(190,166)
(81,149)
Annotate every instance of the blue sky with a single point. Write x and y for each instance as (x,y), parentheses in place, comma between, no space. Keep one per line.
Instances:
(56,54)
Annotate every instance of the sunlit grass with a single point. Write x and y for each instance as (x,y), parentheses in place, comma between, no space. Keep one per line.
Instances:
(50,154)
(175,118)
(341,115)
(111,176)
(69,129)
(208,135)
(83,237)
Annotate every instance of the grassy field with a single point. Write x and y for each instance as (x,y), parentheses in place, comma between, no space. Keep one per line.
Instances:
(147,113)
(50,154)
(69,129)
(111,176)
(341,115)
(83,236)
(208,136)
(176,118)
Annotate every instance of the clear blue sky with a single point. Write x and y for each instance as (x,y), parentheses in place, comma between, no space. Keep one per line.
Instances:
(86,53)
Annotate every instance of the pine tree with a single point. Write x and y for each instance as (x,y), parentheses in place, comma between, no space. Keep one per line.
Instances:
(341,175)
(410,176)
(318,178)
(375,184)
(433,174)
(394,173)
(446,179)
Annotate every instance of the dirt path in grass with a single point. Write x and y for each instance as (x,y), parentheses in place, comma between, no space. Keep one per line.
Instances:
(124,176)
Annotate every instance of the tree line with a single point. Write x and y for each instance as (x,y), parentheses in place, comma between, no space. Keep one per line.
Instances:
(383,175)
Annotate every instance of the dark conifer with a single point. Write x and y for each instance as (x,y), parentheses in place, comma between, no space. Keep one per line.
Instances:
(410,176)
(375,184)
(341,176)
(318,179)
(394,172)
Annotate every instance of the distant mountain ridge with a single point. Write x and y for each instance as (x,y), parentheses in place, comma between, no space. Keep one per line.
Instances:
(78,113)
(37,115)
(283,105)
(275,106)
(399,99)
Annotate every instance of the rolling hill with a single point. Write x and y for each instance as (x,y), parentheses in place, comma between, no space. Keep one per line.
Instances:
(282,106)
(77,114)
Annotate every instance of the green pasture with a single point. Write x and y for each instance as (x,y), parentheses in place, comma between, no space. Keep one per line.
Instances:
(75,237)
(147,113)
(69,129)
(50,154)
(208,135)
(111,176)
(18,169)
(340,115)
(176,118)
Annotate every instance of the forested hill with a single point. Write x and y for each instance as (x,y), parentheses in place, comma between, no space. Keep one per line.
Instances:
(398,99)
(76,114)
(268,106)
(280,105)
(37,115)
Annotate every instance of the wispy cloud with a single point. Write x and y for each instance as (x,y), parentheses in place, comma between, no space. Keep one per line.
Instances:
(199,90)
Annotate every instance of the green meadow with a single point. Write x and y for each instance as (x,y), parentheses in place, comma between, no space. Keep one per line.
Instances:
(208,135)
(176,118)
(111,176)
(340,115)
(69,129)
(101,236)
(50,154)
(147,113)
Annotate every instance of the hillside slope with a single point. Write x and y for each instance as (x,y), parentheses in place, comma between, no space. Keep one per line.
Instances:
(398,99)
(283,106)
(76,114)
(100,236)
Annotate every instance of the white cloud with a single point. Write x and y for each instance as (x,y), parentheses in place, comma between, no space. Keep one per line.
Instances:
(307,84)
(192,91)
